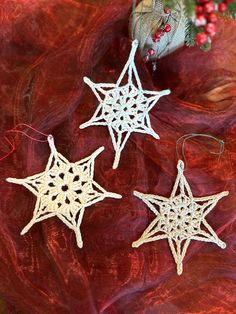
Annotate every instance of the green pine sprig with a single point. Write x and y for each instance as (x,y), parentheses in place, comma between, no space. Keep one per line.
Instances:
(232,10)
(190,8)
(191,30)
(190,33)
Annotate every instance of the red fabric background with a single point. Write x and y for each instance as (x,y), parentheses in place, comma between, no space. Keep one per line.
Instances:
(46,48)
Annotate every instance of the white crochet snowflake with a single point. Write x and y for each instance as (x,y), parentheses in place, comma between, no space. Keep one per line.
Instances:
(124,109)
(64,190)
(180,218)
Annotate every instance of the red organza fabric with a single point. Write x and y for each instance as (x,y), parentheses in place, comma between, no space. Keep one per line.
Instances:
(46,49)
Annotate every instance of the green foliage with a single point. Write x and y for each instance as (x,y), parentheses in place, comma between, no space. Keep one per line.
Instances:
(232,9)
(206,47)
(190,33)
(191,30)
(189,6)
(169,3)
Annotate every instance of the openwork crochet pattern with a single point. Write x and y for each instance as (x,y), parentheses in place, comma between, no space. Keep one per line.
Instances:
(124,109)
(180,218)
(64,190)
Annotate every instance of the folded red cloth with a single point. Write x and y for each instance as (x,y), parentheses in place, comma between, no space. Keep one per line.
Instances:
(46,49)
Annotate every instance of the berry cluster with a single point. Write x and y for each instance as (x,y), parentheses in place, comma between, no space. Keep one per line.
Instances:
(161,31)
(206,18)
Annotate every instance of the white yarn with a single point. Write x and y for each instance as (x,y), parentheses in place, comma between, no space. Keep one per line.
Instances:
(64,190)
(179,218)
(124,109)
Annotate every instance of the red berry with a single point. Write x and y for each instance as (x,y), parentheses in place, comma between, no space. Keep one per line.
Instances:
(151,52)
(167,28)
(201,38)
(159,33)
(222,7)
(200,20)
(212,18)
(199,9)
(209,7)
(157,36)
(167,10)
(210,29)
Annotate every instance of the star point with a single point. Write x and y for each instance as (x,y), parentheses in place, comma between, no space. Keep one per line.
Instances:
(64,190)
(180,218)
(124,109)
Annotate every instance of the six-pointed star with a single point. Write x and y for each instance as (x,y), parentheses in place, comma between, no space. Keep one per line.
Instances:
(180,218)
(64,190)
(124,109)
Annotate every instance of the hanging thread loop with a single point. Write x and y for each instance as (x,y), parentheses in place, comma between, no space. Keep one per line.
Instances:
(186,137)
(16,129)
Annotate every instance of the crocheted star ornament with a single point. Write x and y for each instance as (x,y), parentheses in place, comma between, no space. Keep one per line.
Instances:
(64,190)
(124,109)
(180,218)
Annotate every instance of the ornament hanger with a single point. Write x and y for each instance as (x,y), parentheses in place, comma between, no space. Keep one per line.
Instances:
(187,137)
(16,129)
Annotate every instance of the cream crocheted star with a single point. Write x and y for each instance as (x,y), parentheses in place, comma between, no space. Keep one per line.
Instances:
(124,109)
(64,190)
(180,218)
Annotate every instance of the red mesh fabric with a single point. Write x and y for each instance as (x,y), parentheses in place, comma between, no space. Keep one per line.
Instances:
(46,49)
